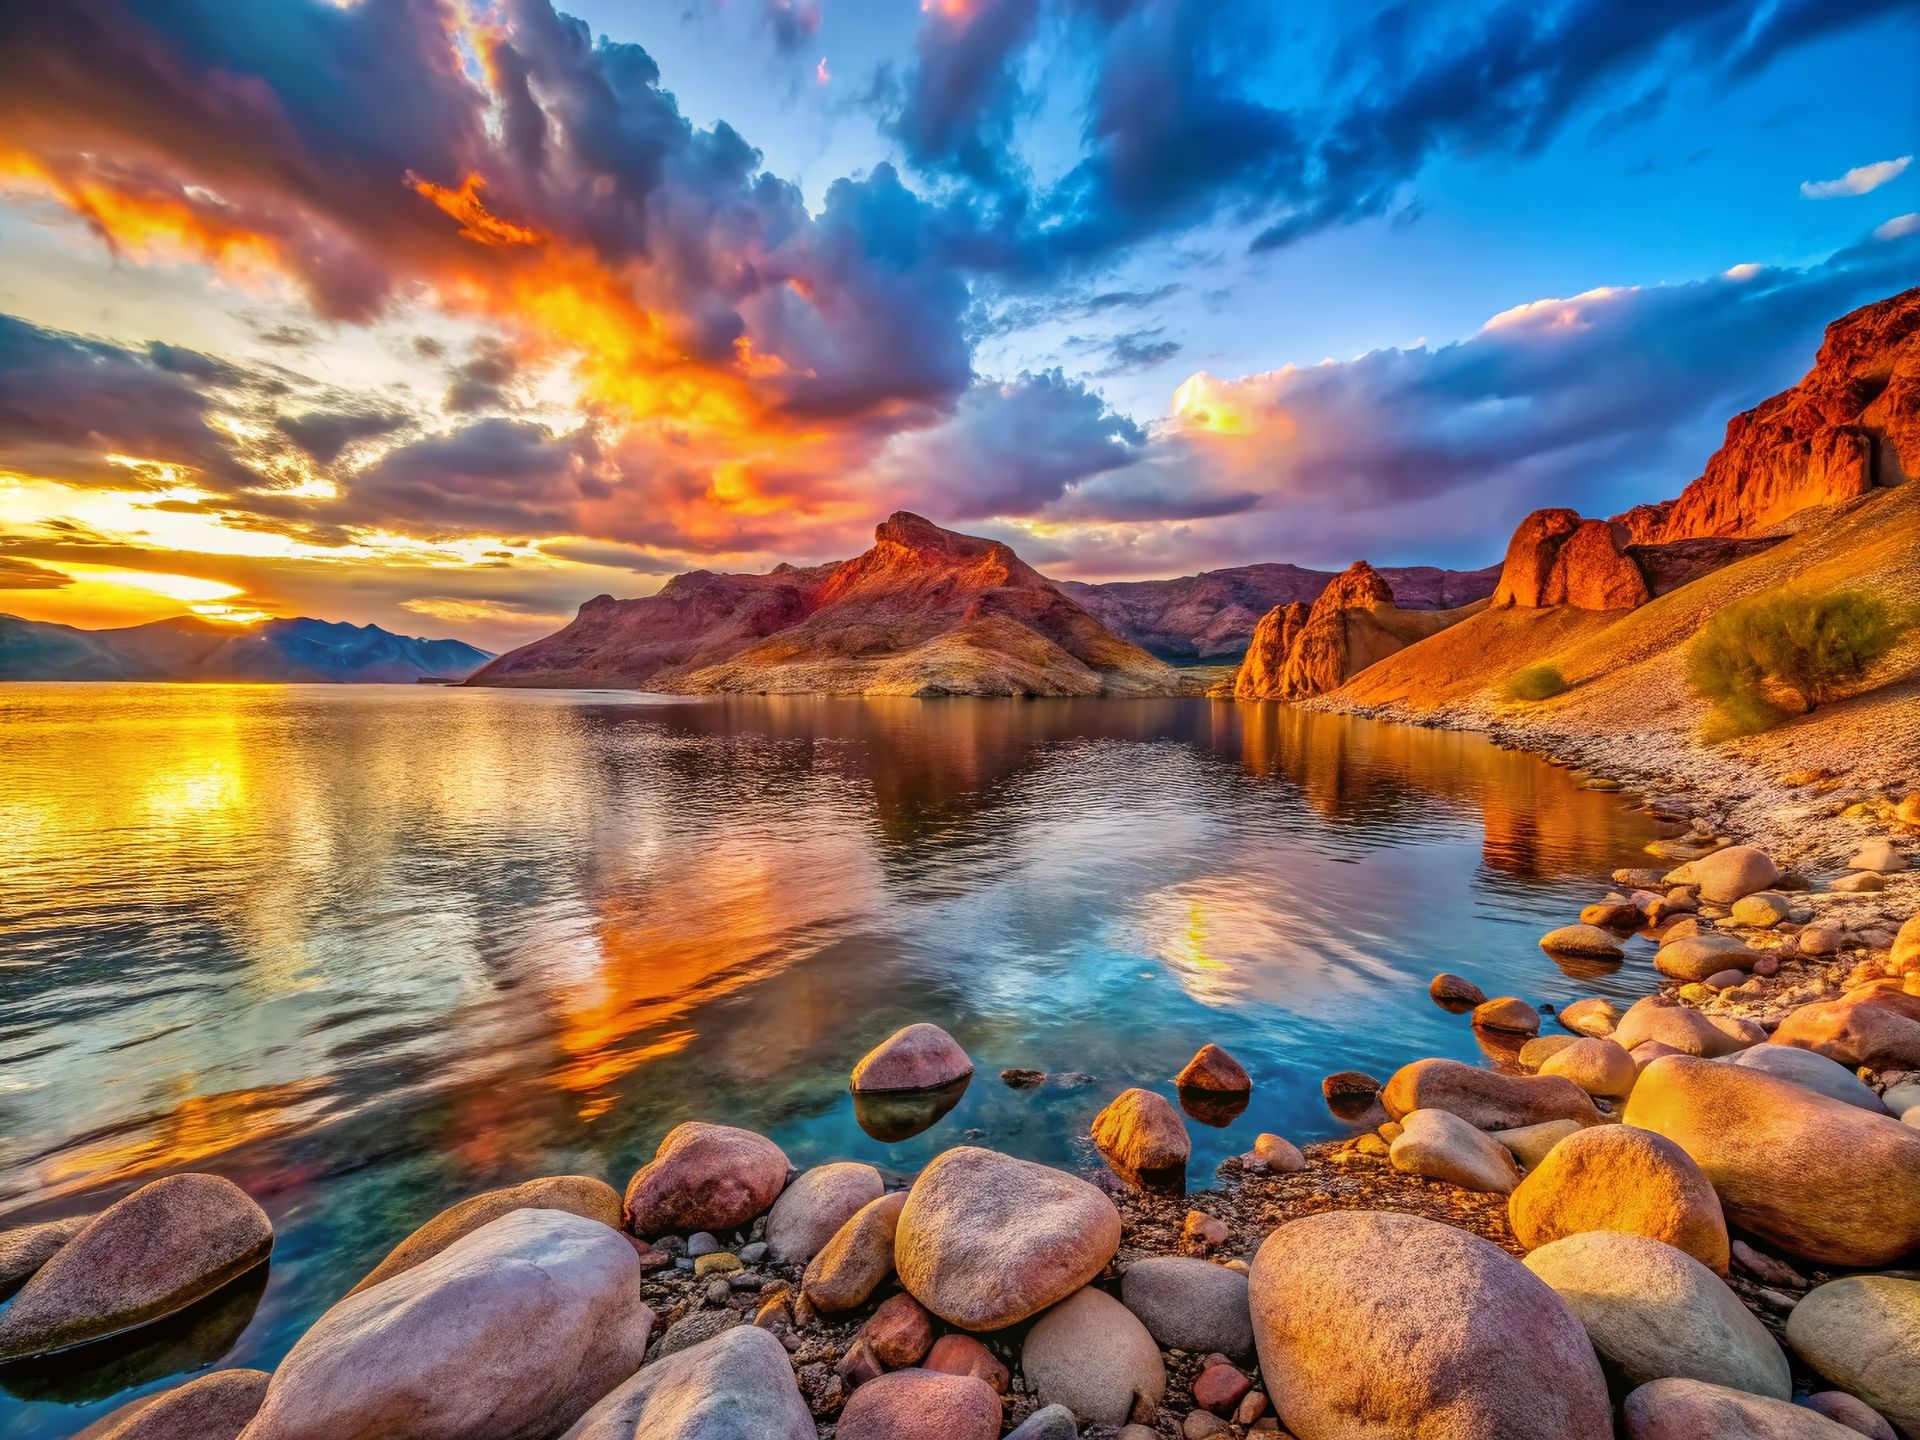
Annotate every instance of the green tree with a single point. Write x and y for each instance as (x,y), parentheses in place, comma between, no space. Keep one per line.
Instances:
(1787,653)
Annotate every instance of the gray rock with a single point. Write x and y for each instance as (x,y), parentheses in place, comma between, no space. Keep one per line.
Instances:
(511,1332)
(1863,1333)
(737,1386)
(1654,1312)
(1812,1072)
(1092,1355)
(1055,1422)
(695,1329)
(701,1243)
(812,1209)
(1190,1304)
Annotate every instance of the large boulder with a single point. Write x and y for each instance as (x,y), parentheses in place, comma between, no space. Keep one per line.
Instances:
(811,1211)
(1863,1333)
(1810,1070)
(1679,1027)
(511,1332)
(1442,1146)
(1370,1324)
(1854,1030)
(1485,1099)
(1617,1177)
(1904,957)
(1592,573)
(1655,1312)
(919,1057)
(1733,872)
(1190,1304)
(26,1249)
(156,1251)
(1528,570)
(737,1385)
(1090,1354)
(1141,1134)
(213,1407)
(852,1264)
(985,1240)
(920,1405)
(1814,1176)
(1696,1410)
(705,1177)
(576,1194)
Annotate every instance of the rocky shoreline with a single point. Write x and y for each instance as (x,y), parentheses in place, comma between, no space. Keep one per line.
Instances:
(1484,1258)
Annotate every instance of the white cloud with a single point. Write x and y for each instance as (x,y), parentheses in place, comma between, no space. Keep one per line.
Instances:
(1899,227)
(1858,181)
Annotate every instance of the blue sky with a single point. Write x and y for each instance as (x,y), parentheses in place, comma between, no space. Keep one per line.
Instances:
(450,316)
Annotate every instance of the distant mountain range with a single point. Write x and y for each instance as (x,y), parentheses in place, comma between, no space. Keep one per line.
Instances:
(274,651)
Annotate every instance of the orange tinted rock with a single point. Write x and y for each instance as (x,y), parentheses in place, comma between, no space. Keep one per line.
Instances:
(1614,1177)
(1319,660)
(705,1177)
(1140,1132)
(1214,1069)
(1591,573)
(1531,552)
(964,1355)
(1266,659)
(1853,422)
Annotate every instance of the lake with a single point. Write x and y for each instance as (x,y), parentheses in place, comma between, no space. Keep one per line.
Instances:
(367,950)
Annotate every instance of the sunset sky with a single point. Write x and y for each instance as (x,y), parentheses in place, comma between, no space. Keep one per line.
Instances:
(449,316)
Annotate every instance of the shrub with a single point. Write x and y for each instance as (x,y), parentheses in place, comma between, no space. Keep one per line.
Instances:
(1786,653)
(1536,682)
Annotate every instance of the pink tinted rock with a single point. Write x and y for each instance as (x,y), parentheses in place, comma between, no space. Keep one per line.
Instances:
(921,1405)
(705,1177)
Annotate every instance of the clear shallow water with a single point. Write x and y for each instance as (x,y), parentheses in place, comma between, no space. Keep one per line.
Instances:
(367,950)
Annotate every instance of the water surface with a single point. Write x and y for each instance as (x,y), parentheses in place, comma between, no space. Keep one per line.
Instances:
(367,950)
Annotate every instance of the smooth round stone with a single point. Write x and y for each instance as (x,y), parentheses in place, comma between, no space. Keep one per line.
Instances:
(213,1407)
(852,1264)
(1054,1422)
(1370,1324)
(1190,1304)
(1140,1133)
(1275,1154)
(1613,915)
(1878,855)
(148,1255)
(985,1240)
(1855,1414)
(1599,1067)
(25,1249)
(1530,1144)
(1618,1178)
(1811,1072)
(919,1057)
(575,1194)
(1540,1048)
(1092,1354)
(1593,1016)
(705,1177)
(1860,882)
(1485,1099)
(1731,873)
(738,1383)
(812,1209)
(1683,1030)
(1810,1175)
(1215,1071)
(919,1405)
(1654,1312)
(1442,1146)
(1696,1410)
(957,1354)
(1509,1014)
(1903,957)
(1863,1333)
(1450,989)
(1699,956)
(1762,910)
(1588,941)
(516,1329)
(1860,1028)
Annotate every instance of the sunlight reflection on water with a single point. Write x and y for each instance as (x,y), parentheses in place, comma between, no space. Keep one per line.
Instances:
(369,949)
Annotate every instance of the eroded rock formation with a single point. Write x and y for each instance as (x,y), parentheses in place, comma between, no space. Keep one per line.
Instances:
(1556,558)
(1266,658)
(1299,652)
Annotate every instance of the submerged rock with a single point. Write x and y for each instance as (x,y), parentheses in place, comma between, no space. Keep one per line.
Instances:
(1814,1176)
(1376,1324)
(1455,991)
(1507,1013)
(919,1057)
(1616,1177)
(738,1384)
(1582,939)
(705,1177)
(511,1332)
(576,1194)
(150,1254)
(985,1240)
(1091,1354)
(1655,1312)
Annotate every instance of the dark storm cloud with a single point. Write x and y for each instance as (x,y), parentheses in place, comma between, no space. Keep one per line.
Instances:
(961,96)
(504,476)
(325,434)
(68,401)
(478,383)
(1139,350)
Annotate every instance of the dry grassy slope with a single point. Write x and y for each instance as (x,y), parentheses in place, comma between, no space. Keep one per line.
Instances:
(1628,708)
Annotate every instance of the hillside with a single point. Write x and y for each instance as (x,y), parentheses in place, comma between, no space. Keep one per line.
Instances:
(926,611)
(1628,710)
(1213,614)
(190,649)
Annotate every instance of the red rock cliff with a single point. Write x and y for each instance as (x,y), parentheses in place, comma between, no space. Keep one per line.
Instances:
(1851,424)
(1266,658)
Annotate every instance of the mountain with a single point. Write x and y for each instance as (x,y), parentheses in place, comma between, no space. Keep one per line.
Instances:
(926,611)
(1213,614)
(187,648)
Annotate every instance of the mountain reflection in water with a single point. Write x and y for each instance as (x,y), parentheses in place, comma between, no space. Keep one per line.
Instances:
(367,950)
